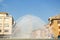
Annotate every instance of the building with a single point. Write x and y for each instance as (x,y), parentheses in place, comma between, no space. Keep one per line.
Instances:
(6,23)
(41,34)
(54,23)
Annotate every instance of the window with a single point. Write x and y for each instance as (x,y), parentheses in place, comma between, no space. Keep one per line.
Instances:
(0,30)
(6,30)
(6,25)
(0,24)
(6,19)
(0,18)
(58,22)
(59,27)
(59,32)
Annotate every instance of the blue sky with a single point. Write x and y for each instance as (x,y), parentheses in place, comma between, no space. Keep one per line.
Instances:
(41,8)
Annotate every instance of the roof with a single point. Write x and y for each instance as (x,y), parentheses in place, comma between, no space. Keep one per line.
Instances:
(3,13)
(54,17)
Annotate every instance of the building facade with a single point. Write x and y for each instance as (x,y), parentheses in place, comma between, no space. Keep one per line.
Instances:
(6,23)
(41,34)
(54,23)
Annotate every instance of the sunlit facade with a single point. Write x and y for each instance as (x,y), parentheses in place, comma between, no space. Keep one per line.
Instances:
(54,23)
(6,22)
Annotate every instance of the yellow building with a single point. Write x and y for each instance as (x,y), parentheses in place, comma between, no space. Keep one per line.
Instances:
(6,22)
(54,23)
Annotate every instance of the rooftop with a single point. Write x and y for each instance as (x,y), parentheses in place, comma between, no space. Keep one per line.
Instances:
(3,13)
(54,17)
